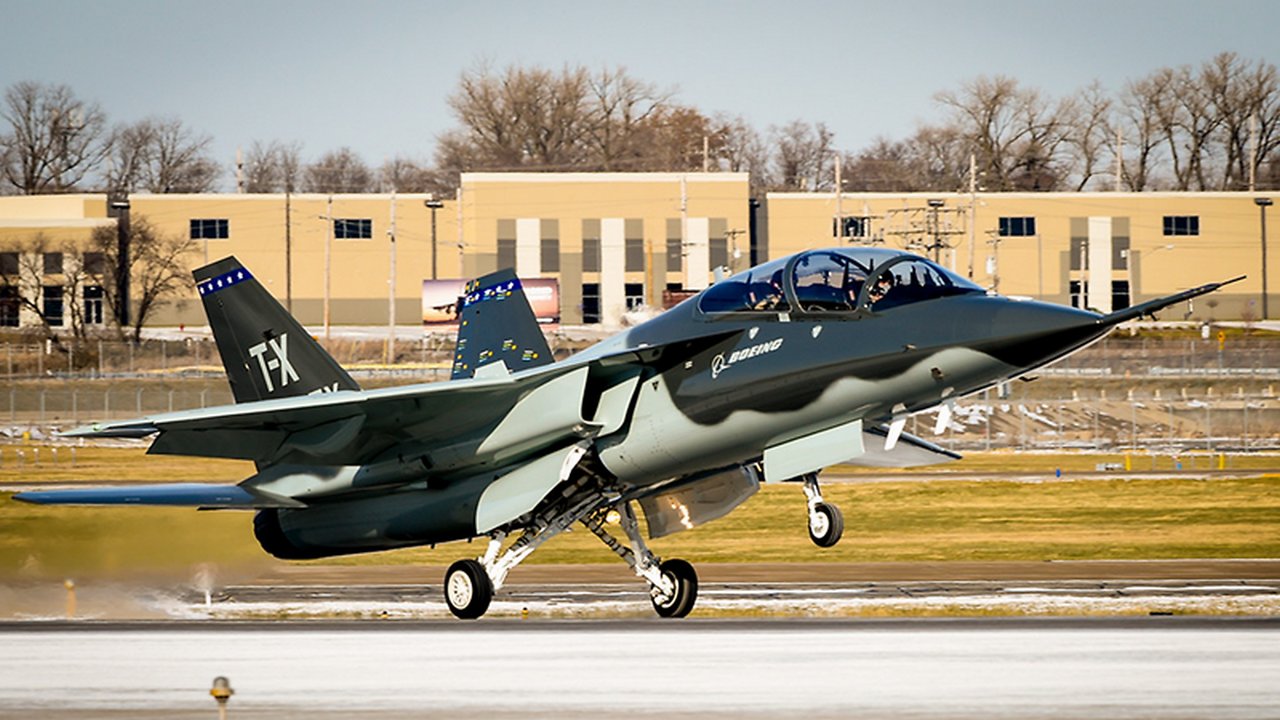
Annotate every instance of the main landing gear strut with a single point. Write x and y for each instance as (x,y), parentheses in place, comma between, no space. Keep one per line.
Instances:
(826,523)
(469,585)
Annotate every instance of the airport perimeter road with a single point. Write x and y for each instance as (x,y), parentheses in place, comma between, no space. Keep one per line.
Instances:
(1150,667)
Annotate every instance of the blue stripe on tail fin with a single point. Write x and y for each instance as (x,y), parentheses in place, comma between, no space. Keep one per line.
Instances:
(497,325)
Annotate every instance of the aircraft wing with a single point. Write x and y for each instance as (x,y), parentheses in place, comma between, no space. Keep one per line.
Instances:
(451,421)
(205,496)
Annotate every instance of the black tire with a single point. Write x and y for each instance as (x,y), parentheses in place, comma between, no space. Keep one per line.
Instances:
(685,579)
(831,529)
(467,589)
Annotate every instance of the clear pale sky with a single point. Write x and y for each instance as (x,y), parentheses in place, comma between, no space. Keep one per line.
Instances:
(375,75)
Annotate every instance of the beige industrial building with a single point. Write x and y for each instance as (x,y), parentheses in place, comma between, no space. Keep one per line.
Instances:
(616,241)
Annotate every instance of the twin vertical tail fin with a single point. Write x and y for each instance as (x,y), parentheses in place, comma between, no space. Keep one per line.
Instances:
(497,325)
(266,353)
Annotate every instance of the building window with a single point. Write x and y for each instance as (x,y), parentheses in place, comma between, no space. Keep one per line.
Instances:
(1017,227)
(854,227)
(52,305)
(1077,293)
(9,306)
(718,252)
(506,253)
(1175,225)
(590,254)
(1119,295)
(95,263)
(8,263)
(53,263)
(590,303)
(633,230)
(352,229)
(214,229)
(634,258)
(550,255)
(634,293)
(591,245)
(675,246)
(93,299)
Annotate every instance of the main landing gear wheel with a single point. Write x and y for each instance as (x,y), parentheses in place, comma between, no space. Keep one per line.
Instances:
(467,589)
(826,525)
(684,580)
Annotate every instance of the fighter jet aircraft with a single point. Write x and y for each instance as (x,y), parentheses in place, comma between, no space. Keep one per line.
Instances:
(767,376)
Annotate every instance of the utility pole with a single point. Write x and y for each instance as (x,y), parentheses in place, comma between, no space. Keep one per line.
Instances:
(1253,151)
(684,229)
(706,154)
(1119,159)
(936,245)
(328,262)
(973,208)
(288,251)
(839,202)
(239,170)
(462,267)
(391,286)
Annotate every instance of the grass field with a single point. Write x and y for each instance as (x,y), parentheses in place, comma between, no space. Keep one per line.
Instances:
(891,521)
(97,464)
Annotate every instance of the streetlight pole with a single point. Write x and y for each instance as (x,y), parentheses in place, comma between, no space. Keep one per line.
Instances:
(120,209)
(1263,203)
(433,205)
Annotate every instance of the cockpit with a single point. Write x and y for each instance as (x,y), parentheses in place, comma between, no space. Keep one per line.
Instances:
(838,280)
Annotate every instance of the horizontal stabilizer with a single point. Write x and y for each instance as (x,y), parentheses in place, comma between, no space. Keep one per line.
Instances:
(204,495)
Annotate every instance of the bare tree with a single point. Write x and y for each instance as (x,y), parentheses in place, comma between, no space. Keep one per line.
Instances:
(338,171)
(744,150)
(159,270)
(1242,94)
(525,116)
(1141,106)
(161,155)
(1018,137)
(54,140)
(1090,135)
(803,156)
(622,112)
(272,167)
(48,274)
(404,174)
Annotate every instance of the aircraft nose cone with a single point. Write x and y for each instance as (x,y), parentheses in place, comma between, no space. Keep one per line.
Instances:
(1027,334)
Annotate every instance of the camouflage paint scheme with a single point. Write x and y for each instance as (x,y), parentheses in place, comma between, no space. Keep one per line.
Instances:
(801,362)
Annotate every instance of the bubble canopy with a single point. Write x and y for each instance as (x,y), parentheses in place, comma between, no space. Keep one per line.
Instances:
(838,280)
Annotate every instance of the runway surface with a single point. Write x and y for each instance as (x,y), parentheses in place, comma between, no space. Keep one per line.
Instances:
(1081,668)
(802,590)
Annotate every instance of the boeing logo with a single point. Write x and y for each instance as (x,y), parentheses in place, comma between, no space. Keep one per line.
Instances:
(719,364)
(279,361)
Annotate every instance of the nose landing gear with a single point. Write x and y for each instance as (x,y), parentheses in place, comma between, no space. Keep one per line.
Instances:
(826,522)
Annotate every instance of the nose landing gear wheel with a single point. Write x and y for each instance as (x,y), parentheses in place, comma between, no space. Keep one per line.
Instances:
(685,583)
(826,525)
(467,589)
